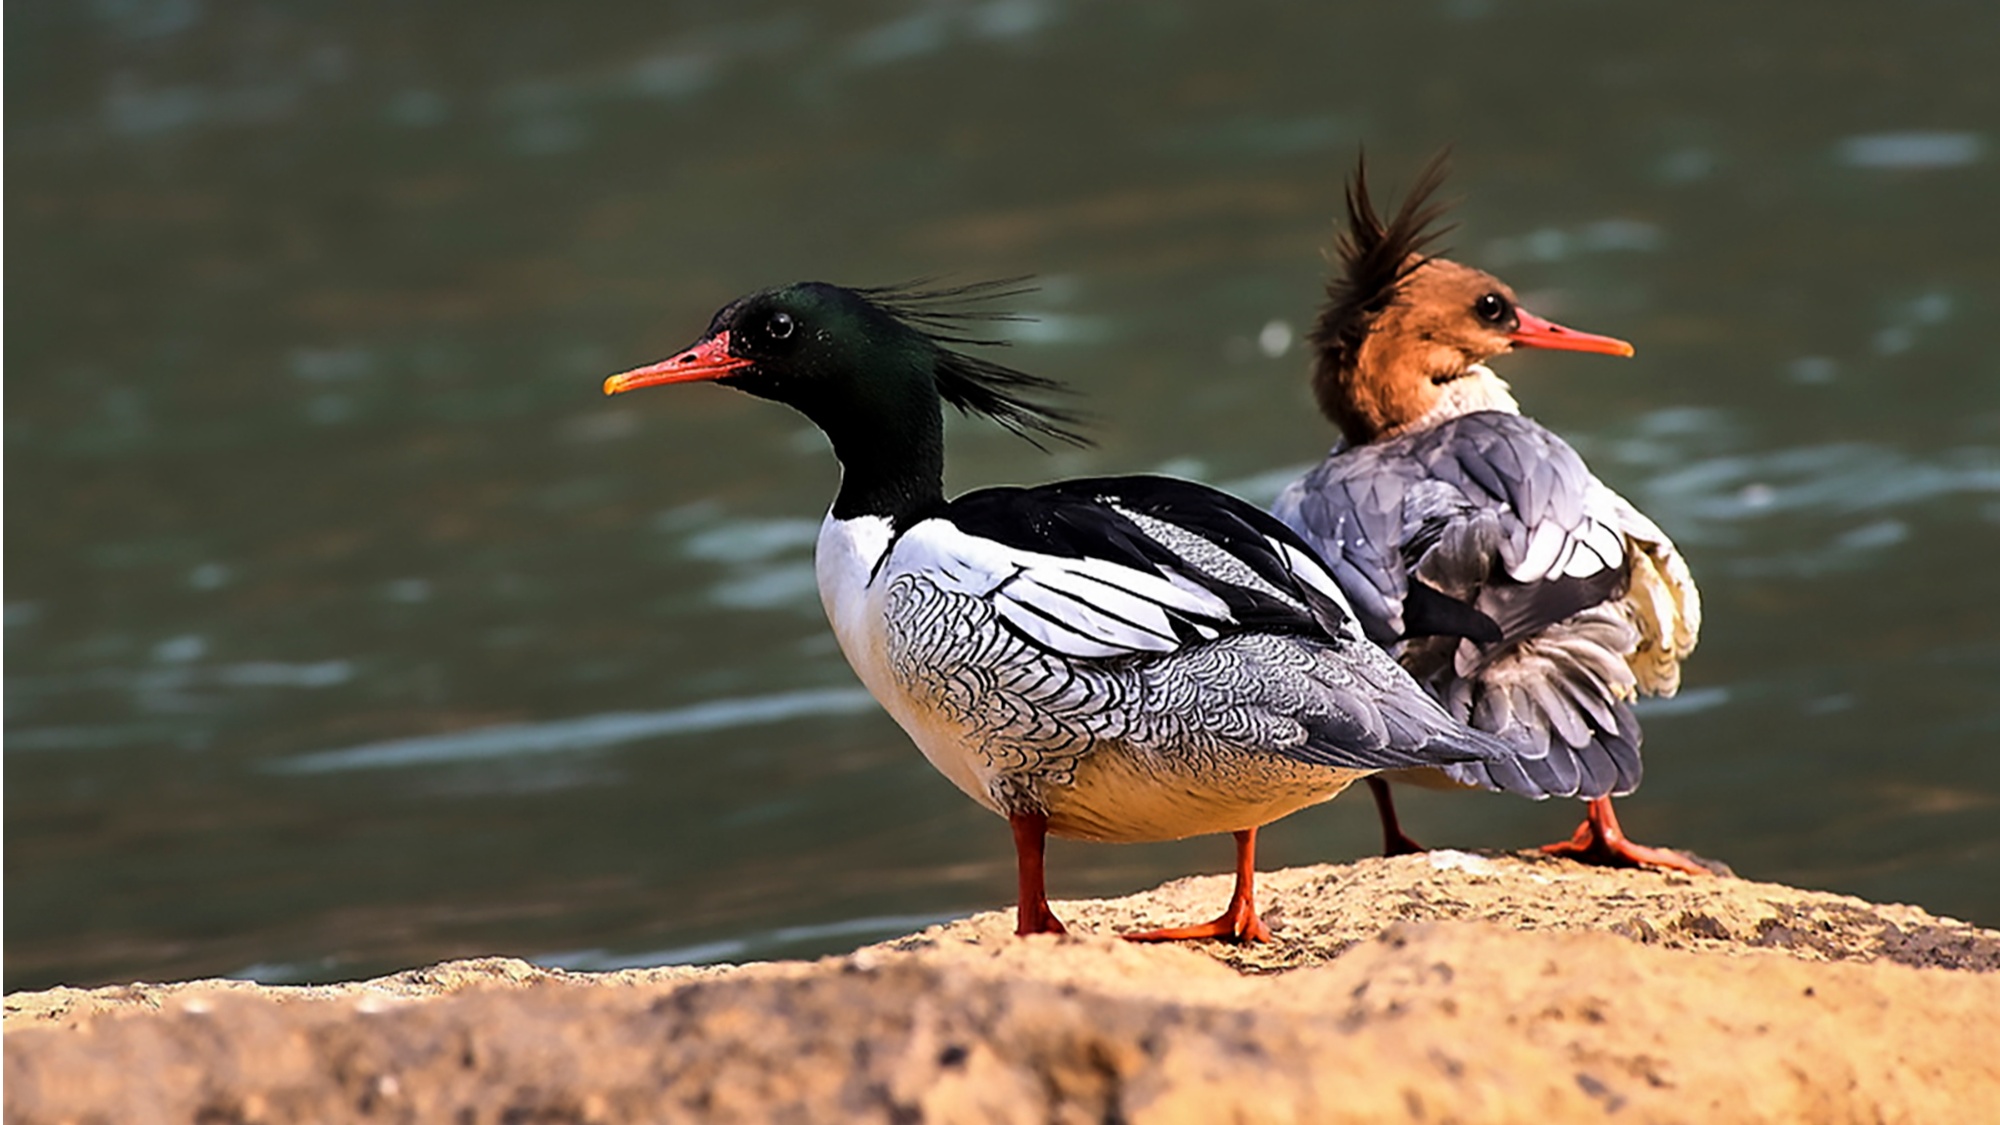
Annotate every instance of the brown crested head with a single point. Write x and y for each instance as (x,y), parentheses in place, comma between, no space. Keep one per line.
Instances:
(1400,326)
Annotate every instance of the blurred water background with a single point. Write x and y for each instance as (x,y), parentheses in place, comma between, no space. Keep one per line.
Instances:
(348,628)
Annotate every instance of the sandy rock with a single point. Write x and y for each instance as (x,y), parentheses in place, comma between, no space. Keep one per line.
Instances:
(1448,987)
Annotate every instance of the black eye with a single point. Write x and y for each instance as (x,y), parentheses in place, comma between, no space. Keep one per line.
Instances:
(779,326)
(1491,308)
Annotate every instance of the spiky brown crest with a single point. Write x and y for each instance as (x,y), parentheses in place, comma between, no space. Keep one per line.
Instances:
(973,385)
(1374,259)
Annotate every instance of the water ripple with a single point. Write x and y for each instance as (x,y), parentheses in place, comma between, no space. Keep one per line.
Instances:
(760,944)
(181,676)
(1914,150)
(1844,477)
(588,733)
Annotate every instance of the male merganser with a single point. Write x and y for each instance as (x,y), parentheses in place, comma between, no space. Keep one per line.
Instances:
(1119,659)
(1534,601)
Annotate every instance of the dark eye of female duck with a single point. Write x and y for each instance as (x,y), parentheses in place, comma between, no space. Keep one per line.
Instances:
(1492,308)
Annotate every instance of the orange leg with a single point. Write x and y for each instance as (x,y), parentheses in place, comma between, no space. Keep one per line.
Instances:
(1394,842)
(1599,839)
(1239,922)
(1031,832)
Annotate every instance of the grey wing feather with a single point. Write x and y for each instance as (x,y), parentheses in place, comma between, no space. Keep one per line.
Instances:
(1350,510)
(1168,656)
(1357,709)
(1495,511)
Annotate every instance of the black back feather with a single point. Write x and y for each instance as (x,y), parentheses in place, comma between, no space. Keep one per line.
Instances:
(1085,517)
(946,316)
(1374,257)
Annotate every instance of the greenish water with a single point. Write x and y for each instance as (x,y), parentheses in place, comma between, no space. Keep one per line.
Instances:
(349,628)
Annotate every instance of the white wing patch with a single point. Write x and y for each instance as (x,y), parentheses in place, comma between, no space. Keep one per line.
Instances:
(1089,608)
(1553,553)
(1312,572)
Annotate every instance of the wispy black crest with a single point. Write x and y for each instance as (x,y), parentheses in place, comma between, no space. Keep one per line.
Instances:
(946,315)
(1375,257)
(943,312)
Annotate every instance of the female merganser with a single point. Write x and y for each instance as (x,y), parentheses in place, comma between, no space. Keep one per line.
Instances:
(1119,659)
(1534,601)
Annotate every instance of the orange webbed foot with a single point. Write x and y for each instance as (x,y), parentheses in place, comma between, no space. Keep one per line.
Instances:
(1242,927)
(1600,839)
(1239,922)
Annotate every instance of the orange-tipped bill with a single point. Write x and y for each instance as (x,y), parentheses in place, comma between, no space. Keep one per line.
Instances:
(1534,332)
(709,359)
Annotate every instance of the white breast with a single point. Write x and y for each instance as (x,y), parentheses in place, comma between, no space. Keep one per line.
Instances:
(852,573)
(845,557)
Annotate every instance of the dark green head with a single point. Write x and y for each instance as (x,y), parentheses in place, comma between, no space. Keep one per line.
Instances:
(871,368)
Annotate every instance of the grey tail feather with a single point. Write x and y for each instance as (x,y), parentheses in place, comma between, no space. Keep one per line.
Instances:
(1609,763)
(1477,745)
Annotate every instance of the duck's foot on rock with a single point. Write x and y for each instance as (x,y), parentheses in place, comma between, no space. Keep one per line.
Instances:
(1239,924)
(1400,844)
(1600,840)
(1043,921)
(1394,840)
(1628,854)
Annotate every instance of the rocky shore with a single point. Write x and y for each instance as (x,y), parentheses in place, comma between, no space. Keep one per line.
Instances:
(1446,987)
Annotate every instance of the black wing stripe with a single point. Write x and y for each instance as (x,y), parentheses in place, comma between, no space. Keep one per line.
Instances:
(1090,608)
(1171,612)
(1059,625)
(1080,519)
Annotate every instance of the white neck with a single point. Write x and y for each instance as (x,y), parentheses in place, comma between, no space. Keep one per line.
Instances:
(1476,390)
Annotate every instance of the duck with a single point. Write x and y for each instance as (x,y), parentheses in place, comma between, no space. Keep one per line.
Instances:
(1533,601)
(1118,659)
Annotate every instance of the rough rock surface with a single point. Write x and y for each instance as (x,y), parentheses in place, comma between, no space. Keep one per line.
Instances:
(1448,987)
